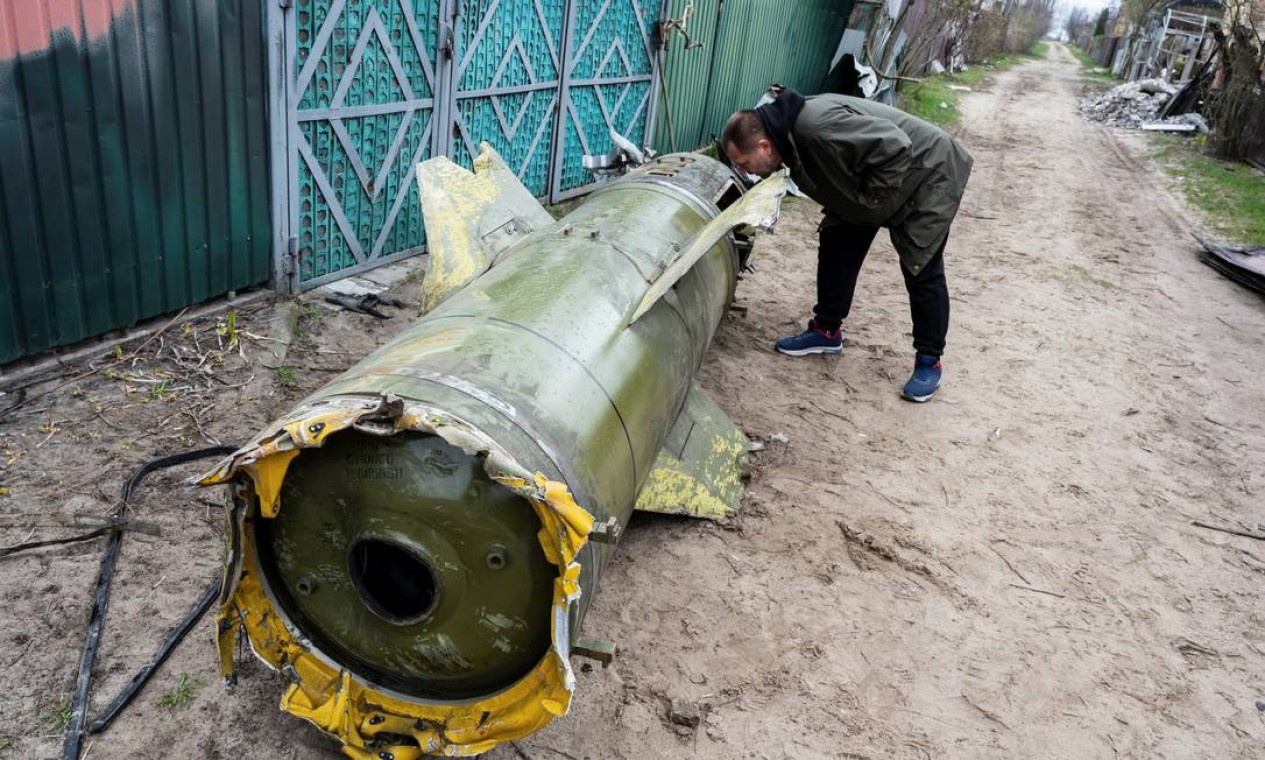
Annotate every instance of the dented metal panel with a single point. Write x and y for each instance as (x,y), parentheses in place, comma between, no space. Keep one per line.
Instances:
(133,163)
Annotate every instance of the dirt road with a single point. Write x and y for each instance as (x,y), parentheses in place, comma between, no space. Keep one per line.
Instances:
(1008,571)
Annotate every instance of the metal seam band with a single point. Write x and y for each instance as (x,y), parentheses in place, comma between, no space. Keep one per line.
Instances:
(509,412)
(708,211)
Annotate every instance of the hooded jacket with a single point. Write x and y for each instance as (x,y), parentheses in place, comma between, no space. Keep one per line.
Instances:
(867,163)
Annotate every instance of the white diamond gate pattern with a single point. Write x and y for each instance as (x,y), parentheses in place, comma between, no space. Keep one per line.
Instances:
(506,82)
(361,116)
(372,87)
(608,83)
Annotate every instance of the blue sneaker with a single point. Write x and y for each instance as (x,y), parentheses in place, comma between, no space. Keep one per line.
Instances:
(814,340)
(923,383)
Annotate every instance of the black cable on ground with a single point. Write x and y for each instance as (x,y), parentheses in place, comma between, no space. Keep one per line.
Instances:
(101,597)
(173,637)
(10,550)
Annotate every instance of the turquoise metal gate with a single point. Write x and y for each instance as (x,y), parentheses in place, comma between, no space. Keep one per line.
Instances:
(505,84)
(361,117)
(608,85)
(372,87)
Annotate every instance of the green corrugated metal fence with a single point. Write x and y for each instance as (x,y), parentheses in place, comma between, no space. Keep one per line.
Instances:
(133,163)
(747,45)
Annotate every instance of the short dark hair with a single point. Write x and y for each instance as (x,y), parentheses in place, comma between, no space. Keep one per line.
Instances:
(743,130)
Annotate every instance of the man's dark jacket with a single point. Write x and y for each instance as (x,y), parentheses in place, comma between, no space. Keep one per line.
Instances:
(867,163)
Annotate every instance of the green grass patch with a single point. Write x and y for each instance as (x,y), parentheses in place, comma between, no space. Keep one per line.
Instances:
(1092,70)
(1084,58)
(1231,195)
(931,100)
(925,98)
(182,694)
(55,718)
(1040,50)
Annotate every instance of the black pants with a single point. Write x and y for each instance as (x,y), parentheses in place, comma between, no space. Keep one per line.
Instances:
(841,251)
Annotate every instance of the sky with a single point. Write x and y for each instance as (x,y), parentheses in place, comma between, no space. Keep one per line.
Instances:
(1066,7)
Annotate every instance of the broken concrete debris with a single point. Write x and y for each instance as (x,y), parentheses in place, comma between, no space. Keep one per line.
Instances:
(1129,105)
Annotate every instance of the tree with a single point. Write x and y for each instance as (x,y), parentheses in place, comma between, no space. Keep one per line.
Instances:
(1078,25)
(1237,111)
(1100,29)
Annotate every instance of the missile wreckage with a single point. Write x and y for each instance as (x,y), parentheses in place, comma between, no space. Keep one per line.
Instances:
(415,545)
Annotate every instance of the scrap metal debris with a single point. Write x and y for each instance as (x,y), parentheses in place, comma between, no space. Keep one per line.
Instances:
(367,303)
(1245,264)
(1187,122)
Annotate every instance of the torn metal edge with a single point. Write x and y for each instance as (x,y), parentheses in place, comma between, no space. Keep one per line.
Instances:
(327,694)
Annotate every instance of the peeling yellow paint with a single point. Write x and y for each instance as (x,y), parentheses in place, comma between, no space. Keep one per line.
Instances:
(268,474)
(707,479)
(460,208)
(333,698)
(672,491)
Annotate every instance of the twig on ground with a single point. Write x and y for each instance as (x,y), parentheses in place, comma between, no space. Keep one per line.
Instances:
(827,411)
(990,715)
(99,411)
(253,336)
(1012,567)
(197,423)
(27,545)
(92,371)
(519,751)
(1039,590)
(1231,531)
(1219,423)
(560,753)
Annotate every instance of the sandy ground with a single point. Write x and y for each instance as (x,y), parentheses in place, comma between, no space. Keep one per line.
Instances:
(1008,571)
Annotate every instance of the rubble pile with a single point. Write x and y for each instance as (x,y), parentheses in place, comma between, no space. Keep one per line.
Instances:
(1132,104)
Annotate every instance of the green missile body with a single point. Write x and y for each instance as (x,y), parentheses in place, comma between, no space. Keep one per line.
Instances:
(417,542)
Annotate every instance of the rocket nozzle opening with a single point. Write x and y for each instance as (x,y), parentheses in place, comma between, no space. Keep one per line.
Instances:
(395,582)
(401,559)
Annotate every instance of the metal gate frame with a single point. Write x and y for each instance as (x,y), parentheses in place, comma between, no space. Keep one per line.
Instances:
(288,78)
(572,57)
(533,29)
